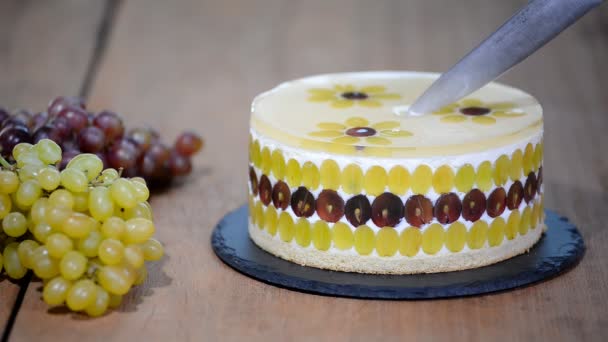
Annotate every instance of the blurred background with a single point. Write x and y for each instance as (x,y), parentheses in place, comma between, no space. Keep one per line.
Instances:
(197,64)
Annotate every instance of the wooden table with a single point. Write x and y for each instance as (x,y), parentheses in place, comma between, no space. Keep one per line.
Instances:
(197,64)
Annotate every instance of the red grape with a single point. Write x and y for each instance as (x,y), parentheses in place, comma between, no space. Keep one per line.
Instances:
(188,143)
(91,139)
(142,137)
(122,154)
(77,117)
(111,125)
(40,119)
(61,102)
(47,132)
(179,165)
(61,126)
(25,117)
(11,136)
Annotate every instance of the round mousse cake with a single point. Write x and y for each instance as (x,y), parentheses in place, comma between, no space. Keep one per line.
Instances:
(343,178)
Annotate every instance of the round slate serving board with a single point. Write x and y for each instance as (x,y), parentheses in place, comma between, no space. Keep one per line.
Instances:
(560,248)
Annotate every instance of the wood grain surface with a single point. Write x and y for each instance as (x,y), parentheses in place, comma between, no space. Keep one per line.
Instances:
(45,50)
(197,64)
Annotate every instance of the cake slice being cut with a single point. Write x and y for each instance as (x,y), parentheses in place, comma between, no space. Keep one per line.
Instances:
(342,178)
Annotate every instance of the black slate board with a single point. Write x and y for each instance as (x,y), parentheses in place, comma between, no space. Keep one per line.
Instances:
(560,248)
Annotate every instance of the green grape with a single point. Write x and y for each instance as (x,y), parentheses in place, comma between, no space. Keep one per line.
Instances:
(81,201)
(48,151)
(141,191)
(29,158)
(111,251)
(55,291)
(6,205)
(134,256)
(49,178)
(114,228)
(90,244)
(101,205)
(115,301)
(87,163)
(138,180)
(114,279)
(28,192)
(123,193)
(43,264)
(14,224)
(81,294)
(108,175)
(12,263)
(138,230)
(73,265)
(38,210)
(56,216)
(153,250)
(100,305)
(27,172)
(74,180)
(78,225)
(62,198)
(58,245)
(142,209)
(25,250)
(142,274)
(42,231)
(20,148)
(9,182)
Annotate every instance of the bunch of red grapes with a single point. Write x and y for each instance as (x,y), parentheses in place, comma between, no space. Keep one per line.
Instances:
(138,151)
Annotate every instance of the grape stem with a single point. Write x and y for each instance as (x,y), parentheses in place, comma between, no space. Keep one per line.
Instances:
(5,164)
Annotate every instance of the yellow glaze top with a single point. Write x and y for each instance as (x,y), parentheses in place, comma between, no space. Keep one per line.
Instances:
(365,114)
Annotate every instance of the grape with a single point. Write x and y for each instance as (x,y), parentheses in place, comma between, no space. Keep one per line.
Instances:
(123,193)
(4,114)
(62,198)
(141,137)
(114,279)
(142,209)
(5,205)
(24,116)
(141,191)
(138,230)
(49,178)
(179,165)
(56,216)
(91,139)
(100,305)
(39,119)
(20,148)
(101,205)
(58,245)
(188,143)
(25,250)
(61,102)
(76,117)
(81,201)
(48,151)
(81,294)
(56,290)
(47,132)
(9,182)
(122,154)
(43,264)
(74,180)
(27,193)
(78,225)
(110,123)
(73,265)
(90,244)
(11,136)
(14,224)
(111,251)
(142,274)
(134,256)
(11,261)
(88,163)
(114,228)
(41,232)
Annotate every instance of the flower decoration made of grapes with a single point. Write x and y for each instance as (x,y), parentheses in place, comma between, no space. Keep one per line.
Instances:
(345,95)
(85,231)
(478,112)
(356,130)
(137,151)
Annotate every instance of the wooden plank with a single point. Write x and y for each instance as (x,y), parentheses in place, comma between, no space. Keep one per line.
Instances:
(197,64)
(45,48)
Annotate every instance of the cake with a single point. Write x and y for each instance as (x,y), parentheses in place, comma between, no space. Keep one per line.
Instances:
(342,177)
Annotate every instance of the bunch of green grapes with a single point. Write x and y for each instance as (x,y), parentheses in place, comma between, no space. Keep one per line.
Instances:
(86,232)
